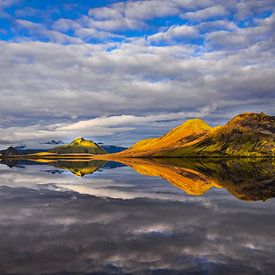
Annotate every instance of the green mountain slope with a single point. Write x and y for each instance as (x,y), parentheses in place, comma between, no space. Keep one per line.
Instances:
(246,135)
(79,146)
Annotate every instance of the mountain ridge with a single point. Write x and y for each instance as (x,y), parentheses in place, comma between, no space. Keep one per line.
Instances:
(247,134)
(181,135)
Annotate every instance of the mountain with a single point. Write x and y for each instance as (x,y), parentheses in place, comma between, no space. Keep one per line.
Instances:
(28,151)
(246,135)
(54,142)
(186,134)
(79,146)
(112,149)
(11,151)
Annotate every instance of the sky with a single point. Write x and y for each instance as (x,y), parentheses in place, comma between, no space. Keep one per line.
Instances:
(121,71)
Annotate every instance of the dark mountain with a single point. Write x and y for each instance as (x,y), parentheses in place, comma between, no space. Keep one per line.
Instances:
(11,151)
(54,142)
(29,151)
(113,149)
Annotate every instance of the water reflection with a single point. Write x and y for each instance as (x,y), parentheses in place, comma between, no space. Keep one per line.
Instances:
(246,179)
(117,221)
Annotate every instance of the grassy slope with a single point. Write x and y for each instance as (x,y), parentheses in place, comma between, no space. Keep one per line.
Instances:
(186,134)
(246,135)
(79,146)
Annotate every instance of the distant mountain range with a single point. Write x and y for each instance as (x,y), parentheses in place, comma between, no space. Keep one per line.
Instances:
(9,152)
(113,149)
(22,150)
(246,135)
(53,142)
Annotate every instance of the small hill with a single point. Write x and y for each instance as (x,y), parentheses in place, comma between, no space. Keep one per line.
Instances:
(247,134)
(79,146)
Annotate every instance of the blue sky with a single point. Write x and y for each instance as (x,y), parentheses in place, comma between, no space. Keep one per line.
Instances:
(119,71)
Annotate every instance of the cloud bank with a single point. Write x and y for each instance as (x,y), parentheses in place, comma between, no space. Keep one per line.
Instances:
(130,59)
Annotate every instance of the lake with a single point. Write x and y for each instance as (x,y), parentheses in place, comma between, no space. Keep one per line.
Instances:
(140,216)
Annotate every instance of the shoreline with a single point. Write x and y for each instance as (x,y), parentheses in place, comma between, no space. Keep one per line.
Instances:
(116,157)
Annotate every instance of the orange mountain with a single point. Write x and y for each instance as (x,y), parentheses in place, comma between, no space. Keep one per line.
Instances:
(246,135)
(190,132)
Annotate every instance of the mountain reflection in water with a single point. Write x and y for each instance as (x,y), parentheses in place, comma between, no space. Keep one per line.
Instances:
(96,217)
(246,179)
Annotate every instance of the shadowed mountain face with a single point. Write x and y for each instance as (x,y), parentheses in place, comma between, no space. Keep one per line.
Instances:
(248,134)
(113,149)
(246,179)
(8,152)
(79,146)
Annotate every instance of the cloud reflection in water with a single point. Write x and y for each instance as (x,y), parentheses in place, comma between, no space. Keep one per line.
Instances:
(147,227)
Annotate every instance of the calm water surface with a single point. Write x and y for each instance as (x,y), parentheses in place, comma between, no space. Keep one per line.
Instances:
(151,217)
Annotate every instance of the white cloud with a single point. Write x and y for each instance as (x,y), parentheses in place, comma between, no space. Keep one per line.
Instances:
(174,33)
(97,127)
(203,14)
(36,29)
(54,82)
(66,25)
(123,120)
(134,14)
(217,25)
(243,37)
